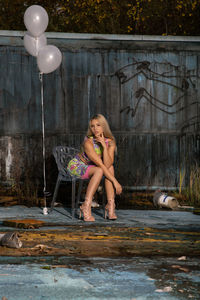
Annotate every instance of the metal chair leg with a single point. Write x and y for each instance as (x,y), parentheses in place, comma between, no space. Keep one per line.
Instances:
(104,198)
(79,193)
(73,196)
(55,194)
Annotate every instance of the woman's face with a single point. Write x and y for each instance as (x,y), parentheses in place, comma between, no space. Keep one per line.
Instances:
(96,127)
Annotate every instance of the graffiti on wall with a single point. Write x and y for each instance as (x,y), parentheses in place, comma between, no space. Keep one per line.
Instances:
(171,89)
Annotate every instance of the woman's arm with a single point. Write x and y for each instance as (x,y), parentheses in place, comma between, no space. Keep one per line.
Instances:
(89,149)
(108,152)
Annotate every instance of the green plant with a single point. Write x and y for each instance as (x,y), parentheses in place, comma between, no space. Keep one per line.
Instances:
(24,184)
(191,193)
(181,179)
(194,185)
(26,191)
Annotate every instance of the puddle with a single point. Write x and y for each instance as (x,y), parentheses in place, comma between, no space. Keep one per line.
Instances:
(99,278)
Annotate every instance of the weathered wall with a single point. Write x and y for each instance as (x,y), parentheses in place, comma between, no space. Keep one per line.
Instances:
(147,88)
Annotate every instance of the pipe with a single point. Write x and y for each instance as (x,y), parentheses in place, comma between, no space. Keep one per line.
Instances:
(149,188)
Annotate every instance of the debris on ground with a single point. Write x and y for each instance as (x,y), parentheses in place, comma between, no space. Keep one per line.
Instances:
(11,240)
(196,211)
(166,289)
(25,223)
(46,267)
(161,200)
(8,200)
(182,258)
(94,204)
(186,270)
(42,248)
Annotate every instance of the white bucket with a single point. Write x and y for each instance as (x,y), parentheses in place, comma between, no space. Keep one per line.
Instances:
(167,201)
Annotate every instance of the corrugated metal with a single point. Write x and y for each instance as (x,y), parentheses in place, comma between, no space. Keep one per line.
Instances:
(147,88)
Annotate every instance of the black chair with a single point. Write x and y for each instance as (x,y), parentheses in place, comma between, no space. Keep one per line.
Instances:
(63,155)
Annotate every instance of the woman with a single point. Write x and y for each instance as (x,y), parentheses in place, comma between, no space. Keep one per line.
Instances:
(95,160)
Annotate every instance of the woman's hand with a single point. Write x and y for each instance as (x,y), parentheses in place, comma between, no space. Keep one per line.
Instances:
(118,187)
(100,139)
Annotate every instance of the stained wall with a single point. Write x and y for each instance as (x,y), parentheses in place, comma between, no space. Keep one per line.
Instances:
(147,88)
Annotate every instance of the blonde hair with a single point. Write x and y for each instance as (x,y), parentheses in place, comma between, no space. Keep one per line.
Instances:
(104,124)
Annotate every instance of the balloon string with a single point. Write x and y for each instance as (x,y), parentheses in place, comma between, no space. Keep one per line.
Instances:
(43,136)
(36,46)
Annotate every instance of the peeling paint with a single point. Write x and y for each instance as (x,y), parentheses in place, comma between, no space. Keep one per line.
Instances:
(148,90)
(8,159)
(107,242)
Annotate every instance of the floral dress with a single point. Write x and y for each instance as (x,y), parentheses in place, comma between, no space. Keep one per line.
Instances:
(79,166)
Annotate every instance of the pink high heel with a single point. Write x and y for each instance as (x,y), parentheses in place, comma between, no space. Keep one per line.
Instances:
(110,210)
(85,209)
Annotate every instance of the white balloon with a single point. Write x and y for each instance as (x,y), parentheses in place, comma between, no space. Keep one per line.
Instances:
(34,44)
(49,59)
(36,20)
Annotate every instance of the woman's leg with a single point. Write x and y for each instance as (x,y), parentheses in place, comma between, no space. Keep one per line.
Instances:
(96,174)
(110,193)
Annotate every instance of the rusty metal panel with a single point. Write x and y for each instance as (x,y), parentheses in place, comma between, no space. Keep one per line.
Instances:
(148,90)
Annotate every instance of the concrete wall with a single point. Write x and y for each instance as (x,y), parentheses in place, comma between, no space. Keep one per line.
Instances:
(147,87)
